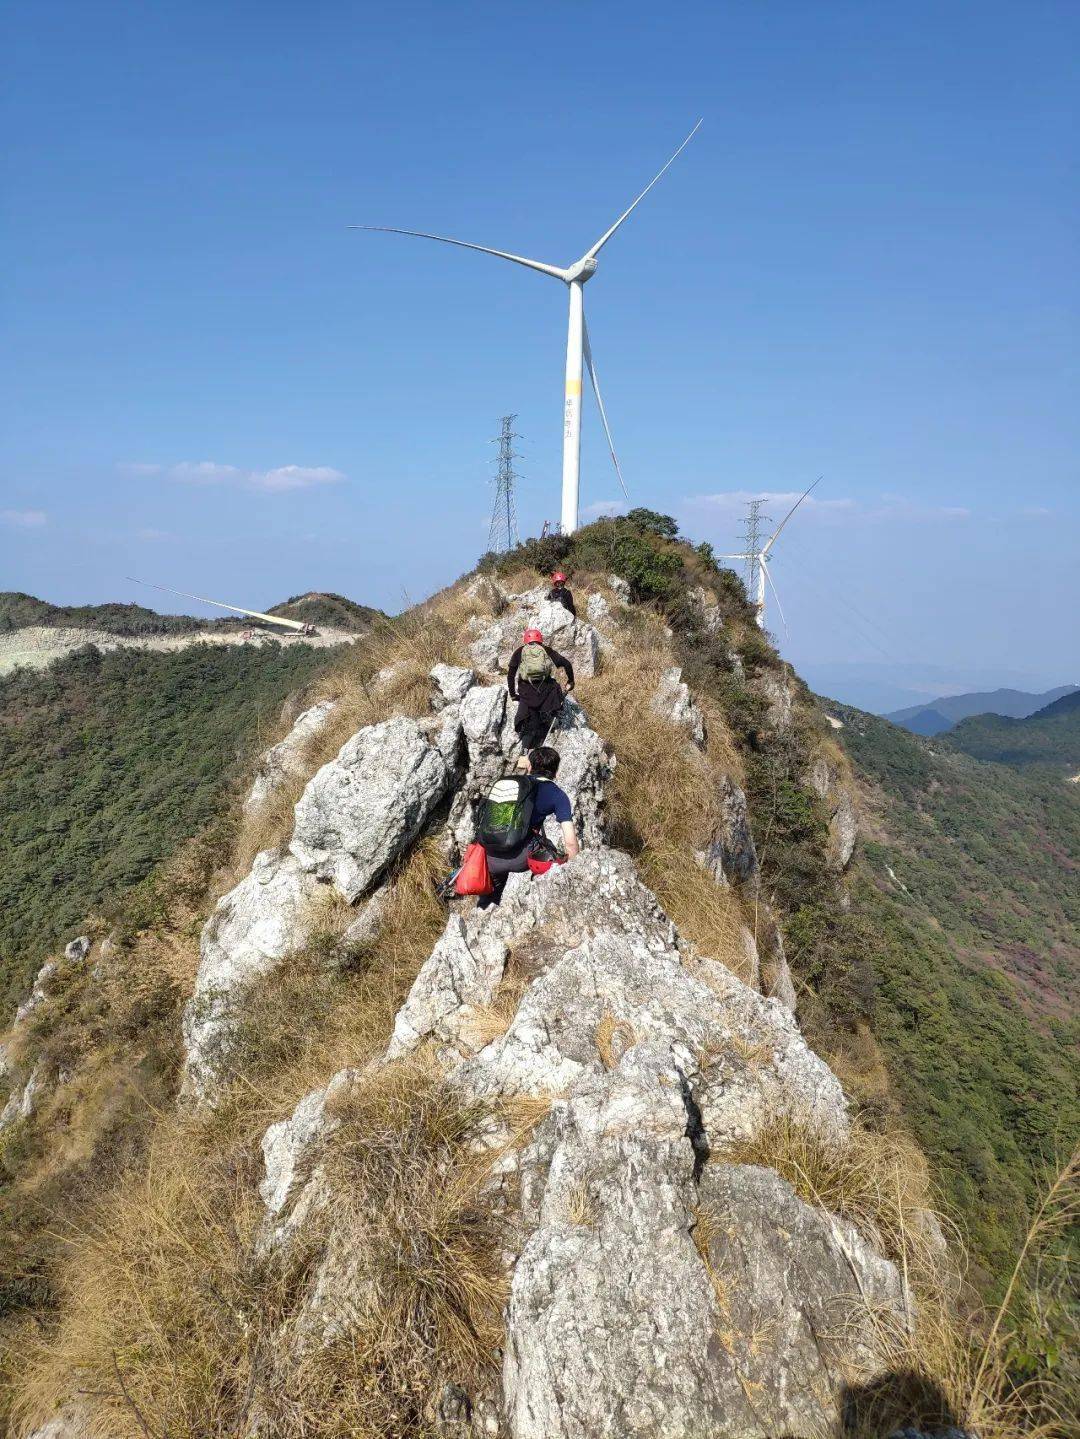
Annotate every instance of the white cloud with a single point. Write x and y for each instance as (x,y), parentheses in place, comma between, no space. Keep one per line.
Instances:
(204,472)
(603,507)
(782,499)
(136,467)
(211,472)
(23,519)
(294,477)
(889,507)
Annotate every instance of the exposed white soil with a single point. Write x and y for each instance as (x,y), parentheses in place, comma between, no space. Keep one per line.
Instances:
(38,646)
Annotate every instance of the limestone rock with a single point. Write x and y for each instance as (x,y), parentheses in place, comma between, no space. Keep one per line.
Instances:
(706,609)
(364,808)
(285,760)
(289,1146)
(265,918)
(620,587)
(543,917)
(597,610)
(452,684)
(22,1100)
(732,855)
(778,693)
(829,784)
(672,700)
(576,639)
(77,950)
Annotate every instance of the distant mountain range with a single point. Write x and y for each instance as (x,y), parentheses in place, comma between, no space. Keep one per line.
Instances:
(939,715)
(882,687)
(1049,739)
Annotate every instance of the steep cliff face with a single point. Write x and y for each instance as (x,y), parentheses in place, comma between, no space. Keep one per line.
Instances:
(545,1176)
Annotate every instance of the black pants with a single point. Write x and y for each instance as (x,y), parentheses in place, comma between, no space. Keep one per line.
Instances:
(500,867)
(538,704)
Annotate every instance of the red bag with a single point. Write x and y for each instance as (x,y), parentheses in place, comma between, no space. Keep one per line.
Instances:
(541,866)
(474,877)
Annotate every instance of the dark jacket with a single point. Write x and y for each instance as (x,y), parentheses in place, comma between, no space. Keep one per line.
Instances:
(562,596)
(530,693)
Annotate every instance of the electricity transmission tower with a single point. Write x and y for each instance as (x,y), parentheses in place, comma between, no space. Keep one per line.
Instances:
(752,525)
(503,534)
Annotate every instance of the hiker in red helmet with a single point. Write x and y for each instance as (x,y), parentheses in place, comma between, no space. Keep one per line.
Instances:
(531,681)
(560,594)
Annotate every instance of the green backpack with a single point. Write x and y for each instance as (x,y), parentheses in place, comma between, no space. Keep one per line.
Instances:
(535,664)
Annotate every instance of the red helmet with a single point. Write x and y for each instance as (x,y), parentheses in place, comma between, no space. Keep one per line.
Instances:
(532,637)
(558,577)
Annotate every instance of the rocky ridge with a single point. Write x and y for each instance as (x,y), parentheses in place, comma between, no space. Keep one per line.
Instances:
(654,1286)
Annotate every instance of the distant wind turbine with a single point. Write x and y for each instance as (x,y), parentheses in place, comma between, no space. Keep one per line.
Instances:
(759,563)
(577,340)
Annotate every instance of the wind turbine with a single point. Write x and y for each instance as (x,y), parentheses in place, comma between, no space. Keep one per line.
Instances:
(577,339)
(759,564)
(220,604)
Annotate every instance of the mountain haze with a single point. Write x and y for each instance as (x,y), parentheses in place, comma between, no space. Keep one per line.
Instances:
(941,714)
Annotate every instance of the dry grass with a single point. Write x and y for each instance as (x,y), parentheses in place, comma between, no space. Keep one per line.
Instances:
(937,1364)
(877,1182)
(613,1038)
(410,1214)
(491,1021)
(662,801)
(173,1321)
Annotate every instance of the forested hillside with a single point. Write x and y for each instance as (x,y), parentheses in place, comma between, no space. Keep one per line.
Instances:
(334,611)
(108,762)
(18,611)
(971,884)
(1050,737)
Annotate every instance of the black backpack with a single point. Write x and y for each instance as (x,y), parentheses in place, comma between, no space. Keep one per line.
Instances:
(505,819)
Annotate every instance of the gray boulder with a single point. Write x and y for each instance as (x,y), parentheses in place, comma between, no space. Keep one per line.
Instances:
(266,917)
(286,759)
(827,781)
(673,702)
(732,858)
(364,808)
(496,641)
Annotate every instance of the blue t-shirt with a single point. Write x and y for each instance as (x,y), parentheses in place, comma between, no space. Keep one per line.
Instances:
(548,799)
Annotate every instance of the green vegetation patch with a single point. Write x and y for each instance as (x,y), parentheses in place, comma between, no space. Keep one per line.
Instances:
(1050,737)
(108,762)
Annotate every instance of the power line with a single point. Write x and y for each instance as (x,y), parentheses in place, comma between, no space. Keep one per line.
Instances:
(503,534)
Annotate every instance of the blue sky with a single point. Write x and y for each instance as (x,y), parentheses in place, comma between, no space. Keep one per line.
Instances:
(862,267)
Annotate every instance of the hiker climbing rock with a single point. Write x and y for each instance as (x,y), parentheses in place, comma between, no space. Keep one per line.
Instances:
(531,681)
(511,825)
(560,594)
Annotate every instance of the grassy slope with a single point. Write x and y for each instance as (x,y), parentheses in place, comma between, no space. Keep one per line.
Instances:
(978,964)
(107,763)
(1050,737)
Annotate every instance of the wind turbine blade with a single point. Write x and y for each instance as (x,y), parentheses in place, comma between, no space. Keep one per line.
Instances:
(591,254)
(776,597)
(467,245)
(587,349)
(255,614)
(776,533)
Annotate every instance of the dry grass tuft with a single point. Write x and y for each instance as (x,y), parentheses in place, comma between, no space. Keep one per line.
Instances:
(877,1182)
(410,1215)
(613,1038)
(491,1021)
(663,798)
(937,1364)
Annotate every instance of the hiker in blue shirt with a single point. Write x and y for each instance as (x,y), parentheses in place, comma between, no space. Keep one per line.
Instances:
(548,799)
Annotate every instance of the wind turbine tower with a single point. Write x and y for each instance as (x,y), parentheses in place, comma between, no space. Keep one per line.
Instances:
(756,554)
(503,534)
(578,350)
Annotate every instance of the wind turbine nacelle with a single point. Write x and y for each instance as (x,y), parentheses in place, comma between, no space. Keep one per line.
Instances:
(583,270)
